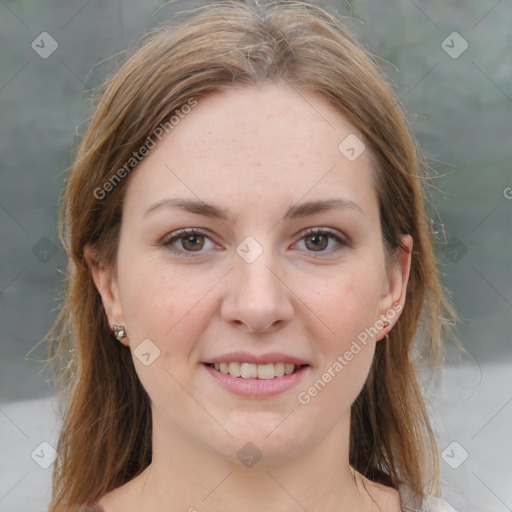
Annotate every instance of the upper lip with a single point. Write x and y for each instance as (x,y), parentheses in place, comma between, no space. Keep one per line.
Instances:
(245,357)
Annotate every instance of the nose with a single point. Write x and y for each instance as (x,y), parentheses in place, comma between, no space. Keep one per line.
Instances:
(257,300)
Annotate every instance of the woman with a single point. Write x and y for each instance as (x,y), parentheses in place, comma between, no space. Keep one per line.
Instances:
(250,260)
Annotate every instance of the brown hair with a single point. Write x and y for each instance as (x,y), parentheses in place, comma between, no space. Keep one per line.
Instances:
(105,439)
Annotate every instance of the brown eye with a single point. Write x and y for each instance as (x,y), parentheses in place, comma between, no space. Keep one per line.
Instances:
(317,242)
(187,242)
(192,242)
(320,241)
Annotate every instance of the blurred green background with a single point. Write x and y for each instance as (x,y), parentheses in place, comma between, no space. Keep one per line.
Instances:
(459,105)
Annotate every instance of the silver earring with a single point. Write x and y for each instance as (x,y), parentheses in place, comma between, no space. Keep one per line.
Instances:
(386,323)
(119,332)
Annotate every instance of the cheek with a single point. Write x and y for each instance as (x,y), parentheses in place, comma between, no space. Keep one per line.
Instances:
(347,302)
(164,306)
(162,302)
(348,307)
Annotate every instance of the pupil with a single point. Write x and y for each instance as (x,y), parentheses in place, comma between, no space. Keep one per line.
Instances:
(319,241)
(194,242)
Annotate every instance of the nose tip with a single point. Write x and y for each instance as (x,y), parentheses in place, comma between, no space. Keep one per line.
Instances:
(257,299)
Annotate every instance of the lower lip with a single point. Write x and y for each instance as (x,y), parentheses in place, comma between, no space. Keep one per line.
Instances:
(257,388)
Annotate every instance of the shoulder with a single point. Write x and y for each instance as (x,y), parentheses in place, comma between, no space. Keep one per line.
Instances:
(410,502)
(433,504)
(119,499)
(427,504)
(387,498)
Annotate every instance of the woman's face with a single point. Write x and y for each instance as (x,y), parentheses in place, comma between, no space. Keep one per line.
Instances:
(281,261)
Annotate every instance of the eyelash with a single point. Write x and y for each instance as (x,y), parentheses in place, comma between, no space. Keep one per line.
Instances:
(182,233)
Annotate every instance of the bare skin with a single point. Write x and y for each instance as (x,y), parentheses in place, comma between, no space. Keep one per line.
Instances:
(376,497)
(255,153)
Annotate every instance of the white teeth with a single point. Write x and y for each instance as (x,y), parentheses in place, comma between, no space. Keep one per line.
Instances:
(266,371)
(288,368)
(248,370)
(234,369)
(279,369)
(252,371)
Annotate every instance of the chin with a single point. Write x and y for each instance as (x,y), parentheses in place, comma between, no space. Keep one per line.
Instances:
(265,439)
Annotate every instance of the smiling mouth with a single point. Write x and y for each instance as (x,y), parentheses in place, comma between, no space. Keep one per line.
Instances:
(256,371)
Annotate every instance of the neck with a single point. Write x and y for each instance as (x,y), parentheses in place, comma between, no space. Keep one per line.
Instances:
(186,477)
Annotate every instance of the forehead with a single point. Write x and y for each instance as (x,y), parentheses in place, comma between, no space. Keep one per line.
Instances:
(253,147)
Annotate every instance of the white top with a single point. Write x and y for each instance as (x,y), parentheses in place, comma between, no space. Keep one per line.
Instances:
(410,502)
(433,504)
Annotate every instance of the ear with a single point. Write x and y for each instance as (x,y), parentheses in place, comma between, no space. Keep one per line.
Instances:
(106,283)
(393,299)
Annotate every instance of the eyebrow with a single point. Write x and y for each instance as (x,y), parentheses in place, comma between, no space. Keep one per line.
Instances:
(300,210)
